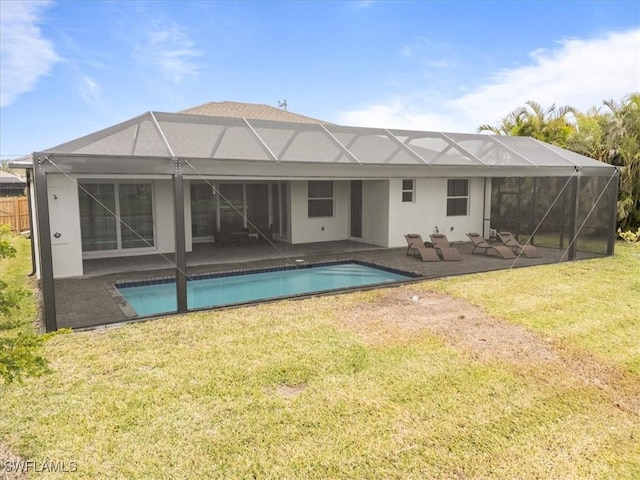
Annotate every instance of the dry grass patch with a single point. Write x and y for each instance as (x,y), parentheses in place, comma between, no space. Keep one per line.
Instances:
(591,305)
(8,457)
(399,315)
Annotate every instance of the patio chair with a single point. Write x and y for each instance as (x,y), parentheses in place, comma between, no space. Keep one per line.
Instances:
(486,247)
(510,241)
(415,246)
(442,245)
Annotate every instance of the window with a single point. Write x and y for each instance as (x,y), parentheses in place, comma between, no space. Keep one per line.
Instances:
(131,202)
(408,188)
(457,197)
(320,199)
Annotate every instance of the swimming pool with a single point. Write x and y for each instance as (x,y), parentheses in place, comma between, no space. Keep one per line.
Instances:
(216,290)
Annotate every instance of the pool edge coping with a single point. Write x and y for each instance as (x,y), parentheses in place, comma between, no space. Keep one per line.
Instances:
(130,313)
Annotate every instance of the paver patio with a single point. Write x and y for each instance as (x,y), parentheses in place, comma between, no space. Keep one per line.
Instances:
(87,301)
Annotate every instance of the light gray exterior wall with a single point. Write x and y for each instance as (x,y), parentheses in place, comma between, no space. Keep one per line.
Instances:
(322,229)
(375,212)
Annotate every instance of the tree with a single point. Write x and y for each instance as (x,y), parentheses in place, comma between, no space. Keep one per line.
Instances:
(610,134)
(553,125)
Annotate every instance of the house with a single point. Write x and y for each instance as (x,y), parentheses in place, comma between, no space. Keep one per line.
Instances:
(162,183)
(11,185)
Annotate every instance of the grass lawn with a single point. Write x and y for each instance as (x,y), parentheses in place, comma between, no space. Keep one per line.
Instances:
(530,373)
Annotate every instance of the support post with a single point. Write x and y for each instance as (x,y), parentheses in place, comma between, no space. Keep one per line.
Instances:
(534,204)
(181,256)
(613,219)
(573,220)
(44,242)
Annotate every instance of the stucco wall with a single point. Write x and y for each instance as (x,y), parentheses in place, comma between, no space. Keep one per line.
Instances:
(375,212)
(164,216)
(429,211)
(163,213)
(64,220)
(305,229)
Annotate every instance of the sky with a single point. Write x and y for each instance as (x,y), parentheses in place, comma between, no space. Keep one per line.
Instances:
(72,67)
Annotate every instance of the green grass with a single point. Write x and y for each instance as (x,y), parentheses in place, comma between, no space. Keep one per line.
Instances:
(591,304)
(202,395)
(14,272)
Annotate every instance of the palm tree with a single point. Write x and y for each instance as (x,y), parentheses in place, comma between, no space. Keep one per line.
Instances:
(610,134)
(553,125)
(623,140)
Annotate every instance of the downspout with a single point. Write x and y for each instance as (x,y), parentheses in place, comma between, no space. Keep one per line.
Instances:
(484,208)
(30,210)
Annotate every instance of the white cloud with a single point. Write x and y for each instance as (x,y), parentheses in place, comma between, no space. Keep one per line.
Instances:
(90,90)
(170,49)
(25,55)
(580,73)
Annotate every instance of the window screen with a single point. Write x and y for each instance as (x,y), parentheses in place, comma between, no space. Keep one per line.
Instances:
(457,197)
(320,199)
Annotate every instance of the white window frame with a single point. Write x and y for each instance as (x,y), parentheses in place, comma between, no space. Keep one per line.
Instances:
(119,251)
(311,199)
(458,197)
(411,190)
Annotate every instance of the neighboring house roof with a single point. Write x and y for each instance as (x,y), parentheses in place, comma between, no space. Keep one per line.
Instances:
(253,111)
(156,134)
(11,178)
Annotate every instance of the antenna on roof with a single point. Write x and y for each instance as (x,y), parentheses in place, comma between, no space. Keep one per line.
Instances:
(283,104)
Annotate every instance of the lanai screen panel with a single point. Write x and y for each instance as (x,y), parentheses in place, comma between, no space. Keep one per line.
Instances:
(583,161)
(490,152)
(277,137)
(528,205)
(374,146)
(435,149)
(542,209)
(536,152)
(136,137)
(596,207)
(191,136)
(300,142)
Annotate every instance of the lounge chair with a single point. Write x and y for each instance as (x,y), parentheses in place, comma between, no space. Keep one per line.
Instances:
(509,240)
(485,247)
(442,245)
(415,247)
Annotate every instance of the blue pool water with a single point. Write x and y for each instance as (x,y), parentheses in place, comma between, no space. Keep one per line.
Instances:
(217,291)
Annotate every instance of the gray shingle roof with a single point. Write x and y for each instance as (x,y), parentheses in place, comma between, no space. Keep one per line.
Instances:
(8,178)
(253,111)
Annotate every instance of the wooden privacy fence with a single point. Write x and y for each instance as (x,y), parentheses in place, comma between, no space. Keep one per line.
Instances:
(15,212)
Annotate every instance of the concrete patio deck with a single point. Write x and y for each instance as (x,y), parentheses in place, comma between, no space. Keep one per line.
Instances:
(87,301)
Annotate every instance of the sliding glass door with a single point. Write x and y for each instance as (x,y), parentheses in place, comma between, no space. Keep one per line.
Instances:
(279,203)
(225,208)
(203,212)
(101,204)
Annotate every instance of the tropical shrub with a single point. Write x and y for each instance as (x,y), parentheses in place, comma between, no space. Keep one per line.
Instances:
(629,236)
(19,343)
